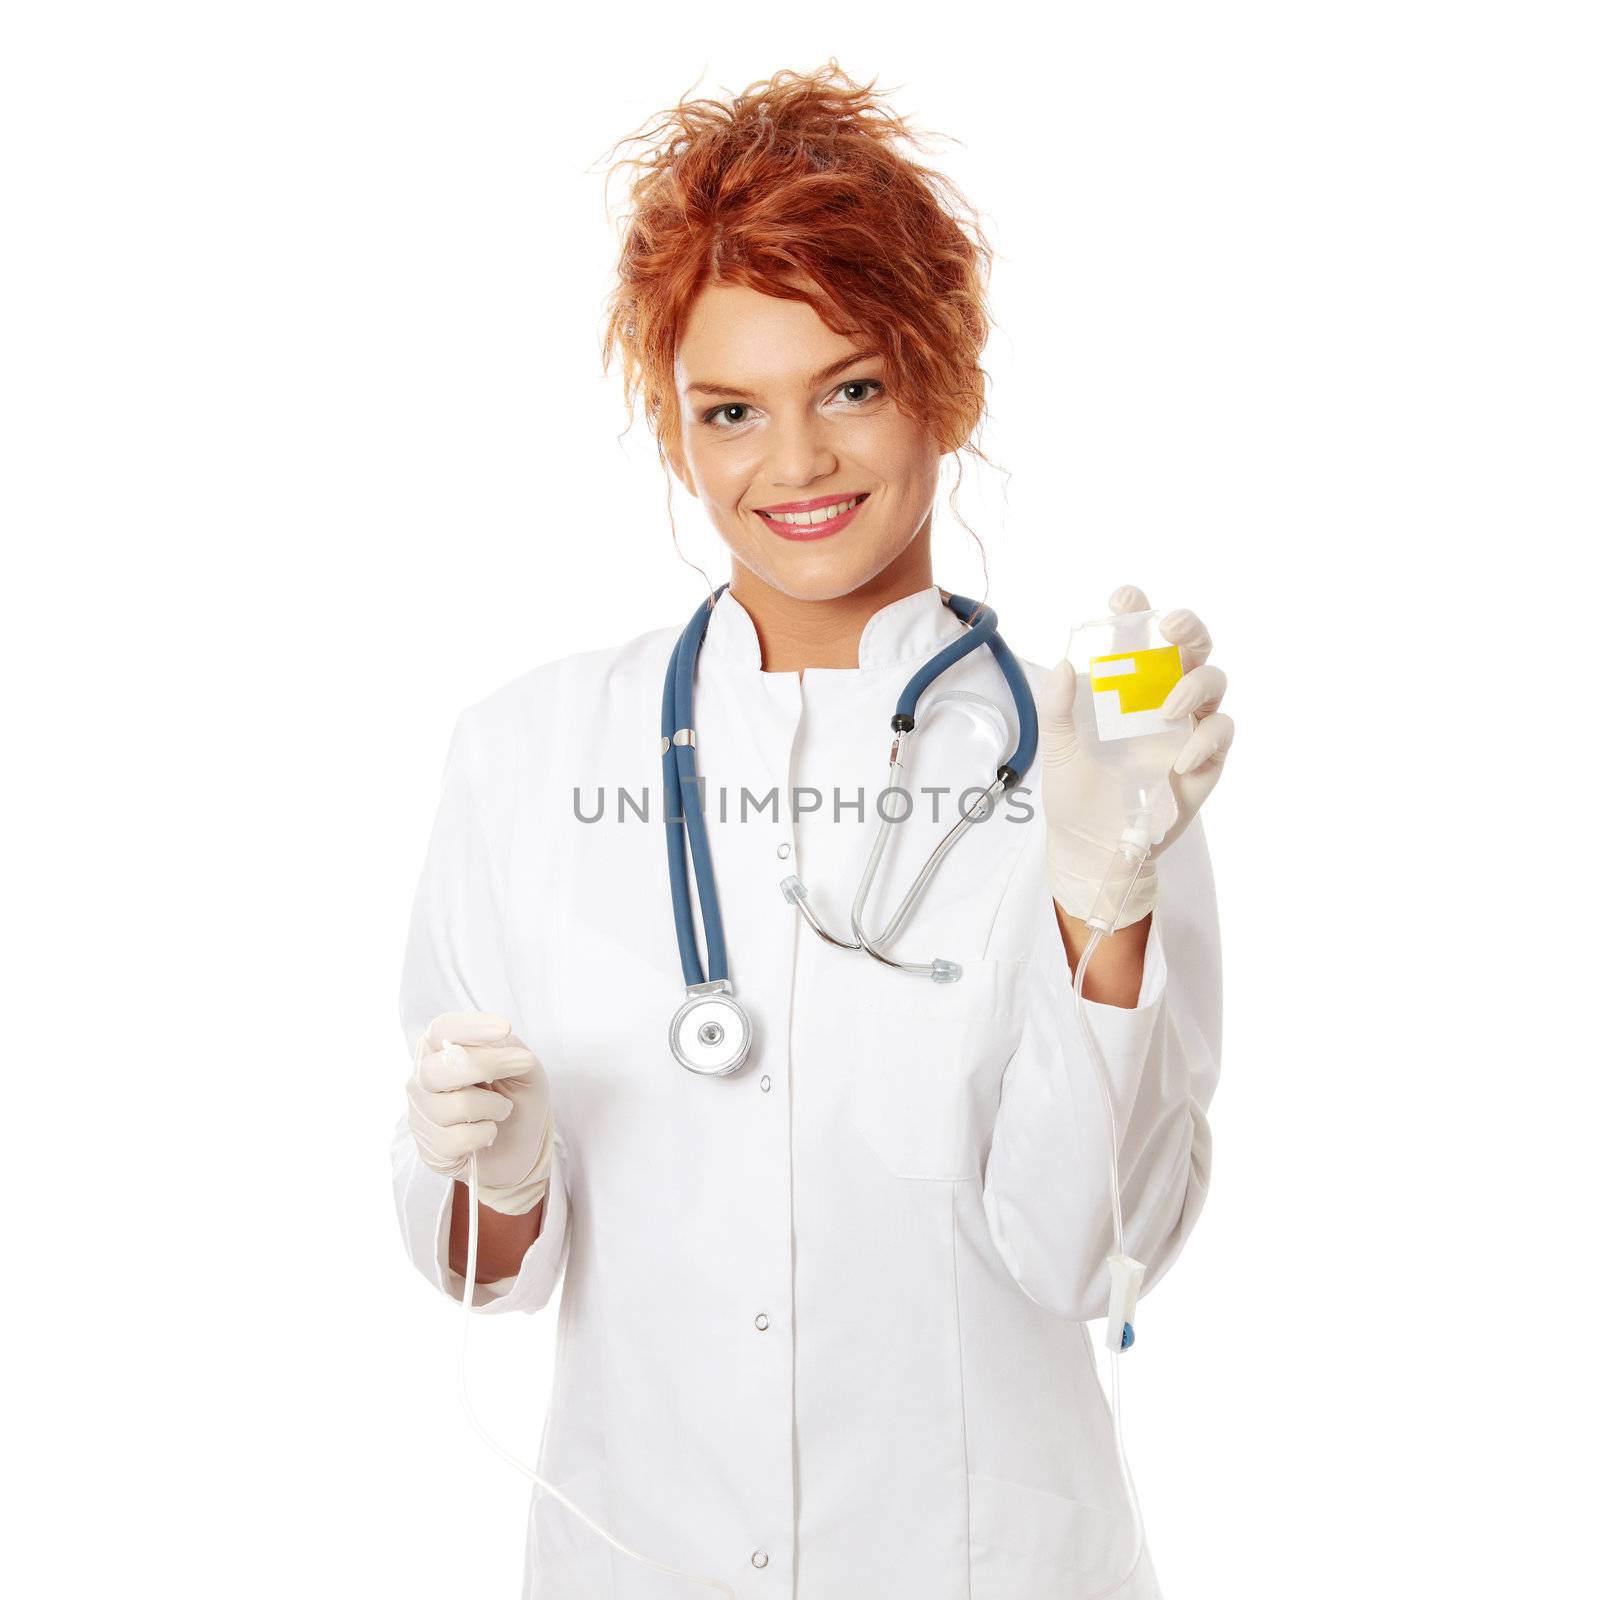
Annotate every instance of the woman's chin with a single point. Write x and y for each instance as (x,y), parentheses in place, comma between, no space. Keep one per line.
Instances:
(816,572)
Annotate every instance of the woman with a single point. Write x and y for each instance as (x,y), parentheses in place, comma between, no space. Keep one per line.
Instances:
(821,1332)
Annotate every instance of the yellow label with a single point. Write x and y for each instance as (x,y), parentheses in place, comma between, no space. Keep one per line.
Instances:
(1141,679)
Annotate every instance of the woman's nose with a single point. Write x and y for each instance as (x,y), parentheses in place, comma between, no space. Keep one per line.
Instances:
(798,452)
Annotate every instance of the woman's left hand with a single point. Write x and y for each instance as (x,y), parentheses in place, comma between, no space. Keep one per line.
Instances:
(1083,811)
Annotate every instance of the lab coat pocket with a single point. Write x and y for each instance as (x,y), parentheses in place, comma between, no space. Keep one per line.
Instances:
(1025,1540)
(566,1557)
(926,1073)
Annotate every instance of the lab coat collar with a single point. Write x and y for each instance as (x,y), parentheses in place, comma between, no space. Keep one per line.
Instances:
(906,631)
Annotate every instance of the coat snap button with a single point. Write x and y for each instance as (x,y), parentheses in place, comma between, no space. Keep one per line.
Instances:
(761,1322)
(759,1559)
(766,1083)
(783,852)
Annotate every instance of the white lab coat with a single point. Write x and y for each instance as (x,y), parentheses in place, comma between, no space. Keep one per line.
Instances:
(821,1333)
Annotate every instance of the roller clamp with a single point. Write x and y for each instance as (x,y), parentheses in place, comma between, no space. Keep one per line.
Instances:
(1127,1275)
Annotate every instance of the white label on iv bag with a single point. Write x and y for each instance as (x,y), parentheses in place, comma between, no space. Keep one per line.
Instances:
(1128,689)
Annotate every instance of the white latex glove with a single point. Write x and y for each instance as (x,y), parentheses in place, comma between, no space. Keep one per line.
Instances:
(454,1109)
(1083,811)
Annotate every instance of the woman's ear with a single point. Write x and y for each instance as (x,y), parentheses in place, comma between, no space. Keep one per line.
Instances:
(680,471)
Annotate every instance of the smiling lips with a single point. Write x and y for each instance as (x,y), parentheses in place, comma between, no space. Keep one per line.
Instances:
(812,519)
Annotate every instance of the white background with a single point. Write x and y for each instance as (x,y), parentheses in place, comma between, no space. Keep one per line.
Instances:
(306,446)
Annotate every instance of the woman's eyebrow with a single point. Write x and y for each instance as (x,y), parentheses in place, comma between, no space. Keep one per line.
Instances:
(816,377)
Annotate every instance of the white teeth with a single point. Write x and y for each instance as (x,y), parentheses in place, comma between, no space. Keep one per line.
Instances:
(804,519)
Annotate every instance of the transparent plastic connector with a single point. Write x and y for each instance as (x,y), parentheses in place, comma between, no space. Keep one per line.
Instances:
(1121,875)
(945,971)
(793,890)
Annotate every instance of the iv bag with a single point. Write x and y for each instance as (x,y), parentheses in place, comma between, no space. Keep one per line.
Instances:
(1126,667)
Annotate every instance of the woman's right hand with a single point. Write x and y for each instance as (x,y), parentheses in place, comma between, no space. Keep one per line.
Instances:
(476,1086)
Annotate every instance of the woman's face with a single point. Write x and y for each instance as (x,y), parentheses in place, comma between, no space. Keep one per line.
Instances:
(778,409)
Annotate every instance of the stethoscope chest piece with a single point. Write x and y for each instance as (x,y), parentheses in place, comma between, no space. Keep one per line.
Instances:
(710,1031)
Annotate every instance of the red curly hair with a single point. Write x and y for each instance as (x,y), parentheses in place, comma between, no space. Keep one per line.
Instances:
(795,189)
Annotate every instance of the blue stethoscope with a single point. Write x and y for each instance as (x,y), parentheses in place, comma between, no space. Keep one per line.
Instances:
(711,1031)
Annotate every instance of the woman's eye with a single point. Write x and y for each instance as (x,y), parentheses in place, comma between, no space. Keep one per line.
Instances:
(727,409)
(862,383)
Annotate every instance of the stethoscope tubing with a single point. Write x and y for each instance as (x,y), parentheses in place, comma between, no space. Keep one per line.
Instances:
(682,801)
(984,631)
(681,789)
